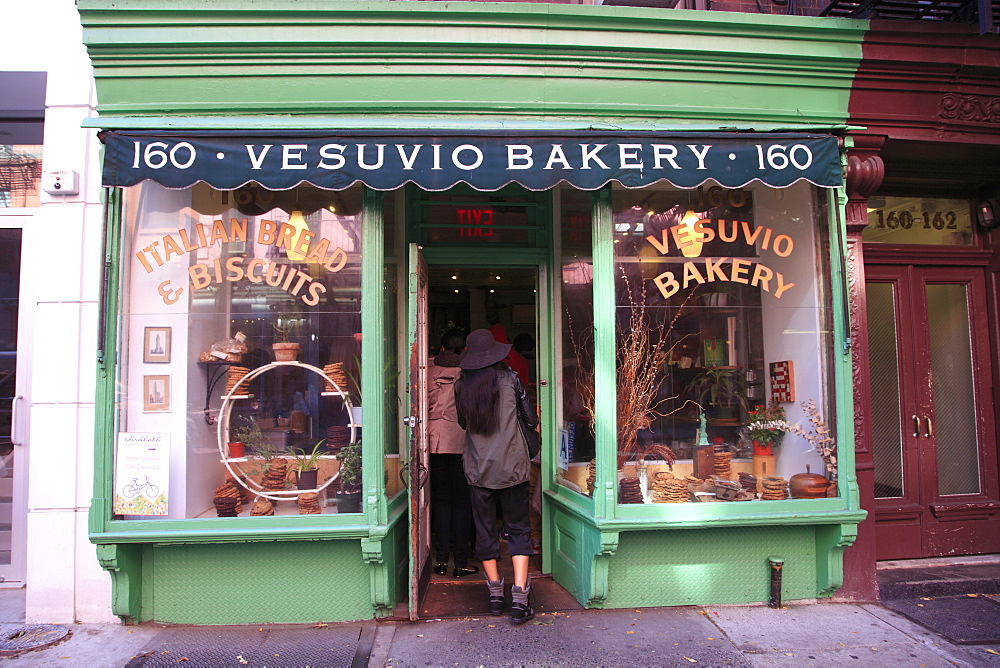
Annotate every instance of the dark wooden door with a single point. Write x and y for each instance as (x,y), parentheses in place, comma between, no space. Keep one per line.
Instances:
(933,415)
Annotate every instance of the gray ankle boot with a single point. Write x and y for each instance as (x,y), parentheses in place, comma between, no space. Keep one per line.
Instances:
(521,604)
(496,596)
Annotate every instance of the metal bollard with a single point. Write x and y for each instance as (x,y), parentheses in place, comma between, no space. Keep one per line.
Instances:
(776,564)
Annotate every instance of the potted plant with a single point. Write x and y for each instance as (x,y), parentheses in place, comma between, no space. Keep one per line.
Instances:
(245,437)
(765,427)
(307,465)
(723,388)
(349,496)
(285,323)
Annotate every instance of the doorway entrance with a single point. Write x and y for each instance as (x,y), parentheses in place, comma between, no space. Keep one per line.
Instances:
(12,407)
(933,434)
(462,298)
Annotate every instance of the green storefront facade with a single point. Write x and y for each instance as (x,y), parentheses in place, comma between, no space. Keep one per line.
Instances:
(176,78)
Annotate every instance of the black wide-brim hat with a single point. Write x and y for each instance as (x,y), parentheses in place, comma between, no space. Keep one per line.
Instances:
(482,350)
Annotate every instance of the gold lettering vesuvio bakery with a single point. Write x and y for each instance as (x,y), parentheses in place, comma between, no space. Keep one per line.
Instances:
(287,277)
(708,270)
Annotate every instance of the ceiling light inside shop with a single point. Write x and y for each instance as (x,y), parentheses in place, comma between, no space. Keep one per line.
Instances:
(298,222)
(691,249)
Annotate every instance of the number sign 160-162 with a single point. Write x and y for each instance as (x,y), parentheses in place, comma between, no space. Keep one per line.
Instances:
(938,220)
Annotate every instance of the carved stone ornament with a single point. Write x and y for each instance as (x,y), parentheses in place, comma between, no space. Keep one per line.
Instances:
(864,176)
(970,108)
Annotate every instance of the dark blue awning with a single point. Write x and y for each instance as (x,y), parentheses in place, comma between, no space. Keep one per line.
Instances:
(435,161)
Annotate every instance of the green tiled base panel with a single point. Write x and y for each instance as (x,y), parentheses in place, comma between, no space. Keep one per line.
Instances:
(256,583)
(693,567)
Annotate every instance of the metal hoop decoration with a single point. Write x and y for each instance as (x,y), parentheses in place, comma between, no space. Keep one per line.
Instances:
(222,428)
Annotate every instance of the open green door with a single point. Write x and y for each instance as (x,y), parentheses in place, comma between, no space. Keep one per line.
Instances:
(417,465)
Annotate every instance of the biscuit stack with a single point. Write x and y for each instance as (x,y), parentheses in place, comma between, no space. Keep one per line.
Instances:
(722,466)
(274,478)
(668,489)
(227,500)
(241,488)
(309,504)
(591,477)
(262,507)
(748,482)
(694,484)
(236,374)
(775,488)
(629,491)
(335,372)
(337,437)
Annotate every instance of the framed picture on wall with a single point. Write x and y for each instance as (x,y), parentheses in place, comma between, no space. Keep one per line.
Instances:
(156,345)
(155,394)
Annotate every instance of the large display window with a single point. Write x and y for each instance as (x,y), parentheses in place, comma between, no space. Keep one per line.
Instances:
(240,372)
(723,332)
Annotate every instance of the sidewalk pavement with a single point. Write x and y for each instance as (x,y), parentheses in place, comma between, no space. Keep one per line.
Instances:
(799,634)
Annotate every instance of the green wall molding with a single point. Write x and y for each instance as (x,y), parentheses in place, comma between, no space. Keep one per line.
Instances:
(124,564)
(502,60)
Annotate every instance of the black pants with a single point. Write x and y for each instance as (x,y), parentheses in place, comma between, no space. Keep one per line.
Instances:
(451,510)
(513,501)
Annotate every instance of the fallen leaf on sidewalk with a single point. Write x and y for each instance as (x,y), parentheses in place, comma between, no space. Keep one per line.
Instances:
(320,625)
(239,657)
(993,651)
(628,632)
(689,659)
(183,659)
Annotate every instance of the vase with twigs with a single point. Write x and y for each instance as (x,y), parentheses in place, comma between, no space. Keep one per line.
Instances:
(644,345)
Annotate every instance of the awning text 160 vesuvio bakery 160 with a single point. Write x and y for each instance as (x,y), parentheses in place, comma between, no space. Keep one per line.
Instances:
(487,162)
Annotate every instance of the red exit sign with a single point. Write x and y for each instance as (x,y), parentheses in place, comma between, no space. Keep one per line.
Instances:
(475,222)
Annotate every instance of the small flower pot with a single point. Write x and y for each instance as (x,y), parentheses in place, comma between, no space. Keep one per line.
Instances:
(285,351)
(237,449)
(308,479)
(763,449)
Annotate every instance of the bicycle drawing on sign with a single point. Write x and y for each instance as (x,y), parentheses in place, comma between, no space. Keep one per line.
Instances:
(132,490)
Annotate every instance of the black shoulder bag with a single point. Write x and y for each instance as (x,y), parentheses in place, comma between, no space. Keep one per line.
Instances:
(531,437)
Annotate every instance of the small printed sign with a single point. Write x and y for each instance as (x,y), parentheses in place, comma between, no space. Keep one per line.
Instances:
(566,445)
(142,474)
(782,382)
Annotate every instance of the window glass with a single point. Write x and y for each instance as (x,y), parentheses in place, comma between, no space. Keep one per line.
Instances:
(391,309)
(576,452)
(20,175)
(240,323)
(918,220)
(720,318)
(472,219)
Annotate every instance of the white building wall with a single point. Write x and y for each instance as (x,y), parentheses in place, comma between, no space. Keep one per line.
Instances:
(59,306)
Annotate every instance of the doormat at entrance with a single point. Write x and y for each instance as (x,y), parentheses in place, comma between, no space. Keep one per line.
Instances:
(468,599)
(267,645)
(964,620)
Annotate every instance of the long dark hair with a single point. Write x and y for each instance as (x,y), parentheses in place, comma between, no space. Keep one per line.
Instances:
(476,396)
